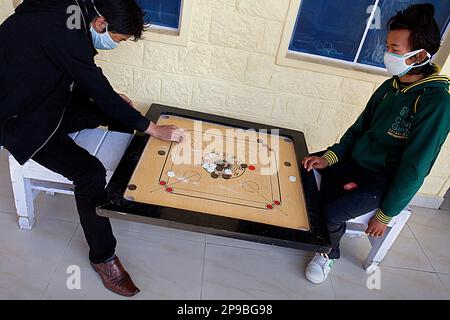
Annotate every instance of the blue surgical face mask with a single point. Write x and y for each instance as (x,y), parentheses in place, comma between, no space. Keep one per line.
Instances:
(103,41)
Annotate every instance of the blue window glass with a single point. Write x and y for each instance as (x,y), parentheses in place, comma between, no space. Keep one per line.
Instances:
(332,29)
(375,44)
(164,13)
(335,29)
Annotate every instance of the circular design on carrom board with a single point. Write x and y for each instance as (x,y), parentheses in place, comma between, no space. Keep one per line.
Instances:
(191,176)
(244,166)
(224,165)
(269,206)
(161,152)
(163,183)
(292,178)
(169,189)
(260,140)
(276,202)
(287,164)
(251,168)
(132,187)
(250,186)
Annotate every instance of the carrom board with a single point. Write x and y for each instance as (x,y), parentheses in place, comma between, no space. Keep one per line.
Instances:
(228,177)
(224,171)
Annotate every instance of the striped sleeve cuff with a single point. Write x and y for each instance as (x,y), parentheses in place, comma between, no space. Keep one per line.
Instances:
(381,217)
(331,157)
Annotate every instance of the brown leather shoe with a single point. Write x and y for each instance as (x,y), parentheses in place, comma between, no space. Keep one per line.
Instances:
(115,278)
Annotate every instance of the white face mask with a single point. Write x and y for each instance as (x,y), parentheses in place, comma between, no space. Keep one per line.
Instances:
(396,64)
(103,41)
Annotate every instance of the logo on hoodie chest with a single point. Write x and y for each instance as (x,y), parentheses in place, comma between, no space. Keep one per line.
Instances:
(402,125)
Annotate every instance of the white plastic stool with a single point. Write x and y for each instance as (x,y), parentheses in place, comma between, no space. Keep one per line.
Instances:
(31,178)
(380,246)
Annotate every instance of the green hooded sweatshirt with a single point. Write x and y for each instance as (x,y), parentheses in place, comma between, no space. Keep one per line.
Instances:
(400,133)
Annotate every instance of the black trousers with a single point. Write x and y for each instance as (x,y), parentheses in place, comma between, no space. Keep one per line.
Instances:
(62,155)
(341,204)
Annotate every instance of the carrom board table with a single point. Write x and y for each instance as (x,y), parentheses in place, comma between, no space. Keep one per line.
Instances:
(228,178)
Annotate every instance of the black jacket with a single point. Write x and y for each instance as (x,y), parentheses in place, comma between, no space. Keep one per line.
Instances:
(41,60)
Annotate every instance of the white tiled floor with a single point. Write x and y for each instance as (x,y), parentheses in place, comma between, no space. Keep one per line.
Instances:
(240,273)
(174,264)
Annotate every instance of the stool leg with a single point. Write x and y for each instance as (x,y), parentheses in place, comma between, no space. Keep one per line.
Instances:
(23,195)
(380,246)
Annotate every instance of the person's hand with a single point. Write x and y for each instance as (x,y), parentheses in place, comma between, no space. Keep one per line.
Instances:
(310,163)
(127,100)
(376,228)
(166,133)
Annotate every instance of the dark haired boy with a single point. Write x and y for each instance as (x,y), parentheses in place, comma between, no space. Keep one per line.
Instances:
(382,160)
(50,87)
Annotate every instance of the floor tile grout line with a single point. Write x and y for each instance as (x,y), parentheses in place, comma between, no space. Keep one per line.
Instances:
(256,249)
(57,264)
(406,268)
(421,247)
(7,212)
(157,235)
(332,288)
(213,243)
(442,282)
(409,269)
(203,270)
(163,236)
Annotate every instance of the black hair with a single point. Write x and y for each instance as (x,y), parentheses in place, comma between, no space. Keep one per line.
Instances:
(123,16)
(425,34)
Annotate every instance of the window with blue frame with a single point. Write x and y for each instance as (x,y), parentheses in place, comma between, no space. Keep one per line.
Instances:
(163,13)
(340,29)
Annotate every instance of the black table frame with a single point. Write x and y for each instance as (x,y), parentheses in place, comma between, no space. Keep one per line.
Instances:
(113,204)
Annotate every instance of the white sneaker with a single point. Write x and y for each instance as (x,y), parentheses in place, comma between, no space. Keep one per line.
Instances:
(318,269)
